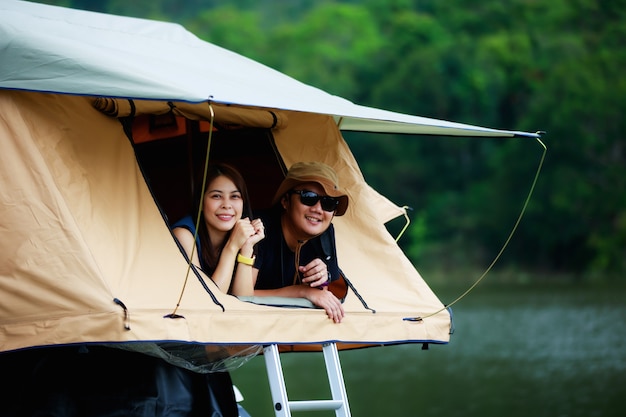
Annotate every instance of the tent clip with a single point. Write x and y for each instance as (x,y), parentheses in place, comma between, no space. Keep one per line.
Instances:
(126,314)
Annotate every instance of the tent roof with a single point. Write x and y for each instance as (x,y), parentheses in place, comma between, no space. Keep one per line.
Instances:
(88,53)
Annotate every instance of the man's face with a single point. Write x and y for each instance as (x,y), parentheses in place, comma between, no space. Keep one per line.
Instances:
(305,221)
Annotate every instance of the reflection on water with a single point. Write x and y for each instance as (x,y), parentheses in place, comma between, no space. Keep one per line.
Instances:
(517,351)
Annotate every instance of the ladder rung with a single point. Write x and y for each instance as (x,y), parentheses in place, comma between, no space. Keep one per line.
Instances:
(315,405)
(283,406)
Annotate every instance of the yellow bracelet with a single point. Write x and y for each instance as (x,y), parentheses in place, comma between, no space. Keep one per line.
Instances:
(245,260)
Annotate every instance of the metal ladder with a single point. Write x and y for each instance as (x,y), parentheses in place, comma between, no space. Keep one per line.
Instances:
(283,406)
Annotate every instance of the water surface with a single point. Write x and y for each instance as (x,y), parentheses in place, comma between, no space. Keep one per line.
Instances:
(535,351)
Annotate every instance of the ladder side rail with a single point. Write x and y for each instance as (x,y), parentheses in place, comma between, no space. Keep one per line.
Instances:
(276,379)
(335,378)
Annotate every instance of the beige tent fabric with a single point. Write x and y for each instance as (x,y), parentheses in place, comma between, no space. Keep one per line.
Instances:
(80,230)
(222,114)
(367,253)
(316,137)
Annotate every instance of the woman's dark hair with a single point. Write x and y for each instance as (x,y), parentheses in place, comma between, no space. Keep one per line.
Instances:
(208,254)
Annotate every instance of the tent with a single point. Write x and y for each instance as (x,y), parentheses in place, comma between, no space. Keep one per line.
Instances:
(98,117)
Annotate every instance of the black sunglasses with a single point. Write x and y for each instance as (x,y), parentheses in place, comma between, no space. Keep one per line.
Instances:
(309,198)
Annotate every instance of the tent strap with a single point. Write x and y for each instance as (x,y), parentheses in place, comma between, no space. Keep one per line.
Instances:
(506,243)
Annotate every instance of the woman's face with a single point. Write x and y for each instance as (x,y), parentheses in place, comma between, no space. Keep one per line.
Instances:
(307,221)
(222,204)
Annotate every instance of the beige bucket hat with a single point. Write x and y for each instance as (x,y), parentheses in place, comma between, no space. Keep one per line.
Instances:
(318,172)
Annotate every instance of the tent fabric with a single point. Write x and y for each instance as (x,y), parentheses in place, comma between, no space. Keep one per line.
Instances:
(224,115)
(80,230)
(87,53)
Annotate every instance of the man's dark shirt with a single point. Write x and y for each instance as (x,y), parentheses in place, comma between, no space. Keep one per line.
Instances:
(276,262)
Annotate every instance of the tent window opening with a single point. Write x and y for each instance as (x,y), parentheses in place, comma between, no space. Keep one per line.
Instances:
(171,152)
(173,163)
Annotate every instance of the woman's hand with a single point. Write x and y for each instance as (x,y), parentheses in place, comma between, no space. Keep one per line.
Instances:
(259,231)
(246,234)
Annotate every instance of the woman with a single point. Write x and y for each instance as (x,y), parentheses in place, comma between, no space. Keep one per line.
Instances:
(224,247)
(224,250)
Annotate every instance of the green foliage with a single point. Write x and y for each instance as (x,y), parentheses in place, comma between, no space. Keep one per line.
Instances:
(217,26)
(517,65)
(329,47)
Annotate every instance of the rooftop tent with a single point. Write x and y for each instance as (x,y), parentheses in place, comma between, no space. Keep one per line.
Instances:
(86,255)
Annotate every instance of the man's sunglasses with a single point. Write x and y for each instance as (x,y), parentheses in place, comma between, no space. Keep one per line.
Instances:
(309,198)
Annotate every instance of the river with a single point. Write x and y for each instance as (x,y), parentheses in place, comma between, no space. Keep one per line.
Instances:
(532,350)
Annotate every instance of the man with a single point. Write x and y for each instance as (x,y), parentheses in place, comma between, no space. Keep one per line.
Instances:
(298,257)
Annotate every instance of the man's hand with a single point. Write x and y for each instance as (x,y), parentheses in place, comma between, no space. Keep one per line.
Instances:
(326,300)
(315,273)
